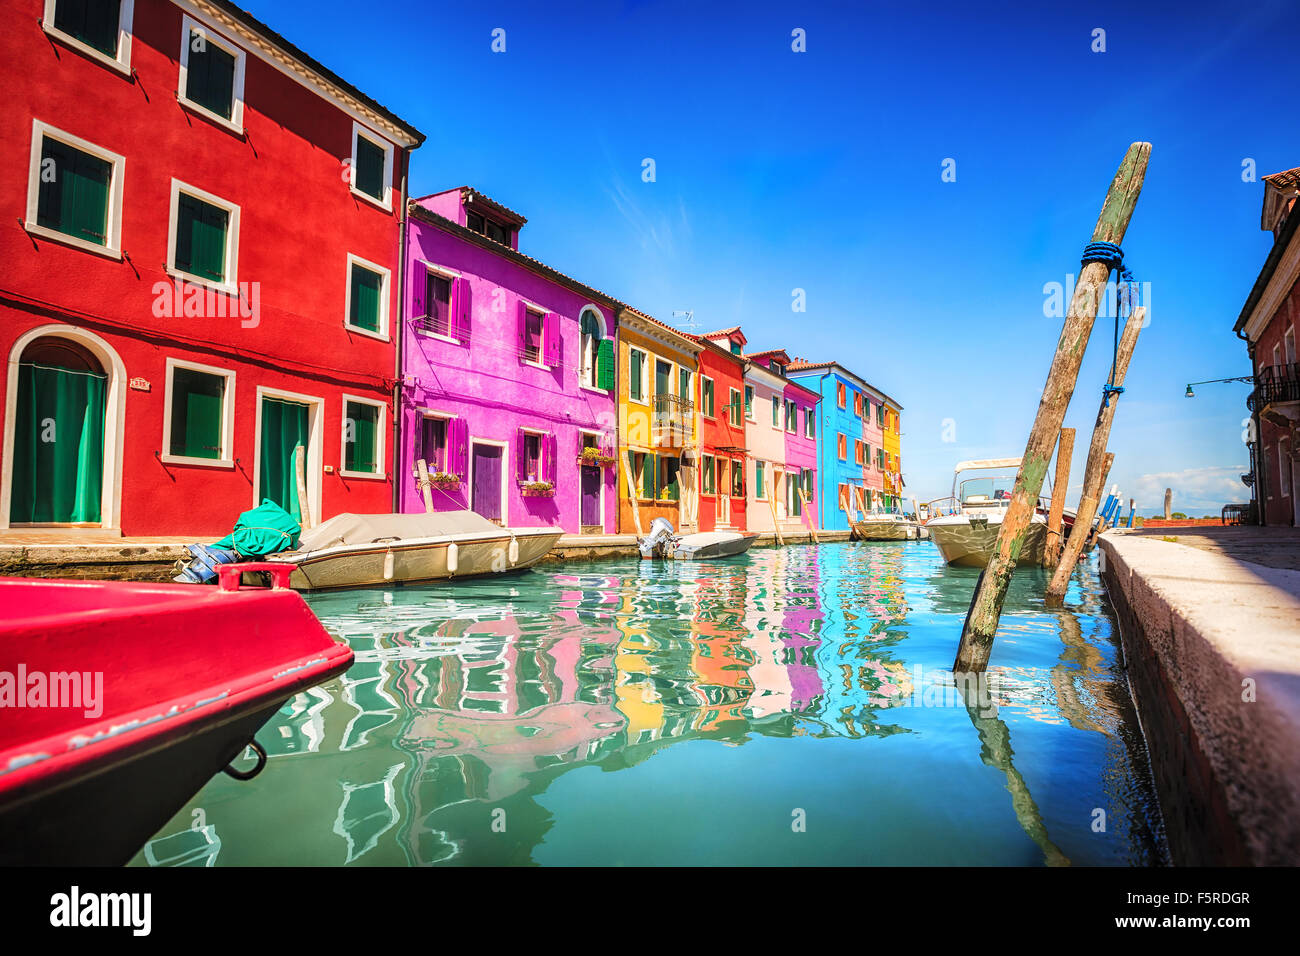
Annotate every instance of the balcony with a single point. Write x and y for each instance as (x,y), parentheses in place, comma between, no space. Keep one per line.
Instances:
(1275,385)
(673,422)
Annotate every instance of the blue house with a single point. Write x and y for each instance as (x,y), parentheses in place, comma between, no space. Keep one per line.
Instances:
(842,457)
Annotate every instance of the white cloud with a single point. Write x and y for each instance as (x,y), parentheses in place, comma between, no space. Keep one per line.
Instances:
(1203,490)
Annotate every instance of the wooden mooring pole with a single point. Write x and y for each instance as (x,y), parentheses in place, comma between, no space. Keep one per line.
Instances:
(1064,456)
(986,606)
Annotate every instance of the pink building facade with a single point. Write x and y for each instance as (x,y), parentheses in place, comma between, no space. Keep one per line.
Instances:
(873,473)
(508,375)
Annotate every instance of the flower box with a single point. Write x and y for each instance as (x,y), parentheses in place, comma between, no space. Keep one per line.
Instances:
(592,456)
(439,479)
(537,489)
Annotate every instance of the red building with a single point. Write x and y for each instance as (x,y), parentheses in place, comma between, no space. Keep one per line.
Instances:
(1268,325)
(722,430)
(201,269)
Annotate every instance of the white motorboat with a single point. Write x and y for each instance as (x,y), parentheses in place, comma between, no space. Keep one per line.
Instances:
(965,526)
(663,542)
(884,526)
(350,550)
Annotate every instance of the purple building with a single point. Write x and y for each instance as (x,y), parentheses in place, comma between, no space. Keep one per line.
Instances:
(508,374)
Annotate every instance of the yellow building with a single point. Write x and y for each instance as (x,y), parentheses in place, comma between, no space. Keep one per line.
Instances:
(658,429)
(892,442)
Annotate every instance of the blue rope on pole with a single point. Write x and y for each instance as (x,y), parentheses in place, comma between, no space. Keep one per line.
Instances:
(1111,256)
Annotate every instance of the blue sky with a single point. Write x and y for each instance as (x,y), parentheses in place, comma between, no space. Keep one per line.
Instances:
(821,170)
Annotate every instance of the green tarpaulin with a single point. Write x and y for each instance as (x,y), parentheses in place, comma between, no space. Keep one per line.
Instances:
(266,529)
(58,469)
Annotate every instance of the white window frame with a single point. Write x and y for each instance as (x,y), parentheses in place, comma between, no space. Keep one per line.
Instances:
(231,285)
(227,459)
(1284,489)
(809,423)
(384,295)
(589,359)
(540,433)
(711,415)
(451,275)
(1288,345)
(645,385)
(236,122)
(838,456)
(753,398)
(113,226)
(314,465)
(427,413)
(735,407)
(125,17)
(791,417)
(713,475)
(381,452)
(758,463)
(385,203)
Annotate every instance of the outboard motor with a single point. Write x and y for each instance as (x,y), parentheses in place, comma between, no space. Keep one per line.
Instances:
(660,539)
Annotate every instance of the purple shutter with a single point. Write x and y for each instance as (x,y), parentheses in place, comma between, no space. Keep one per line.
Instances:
(417,295)
(521,331)
(521,454)
(548,459)
(581,438)
(460,309)
(456,451)
(551,340)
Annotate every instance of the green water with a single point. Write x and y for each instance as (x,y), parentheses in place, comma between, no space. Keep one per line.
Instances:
(786,707)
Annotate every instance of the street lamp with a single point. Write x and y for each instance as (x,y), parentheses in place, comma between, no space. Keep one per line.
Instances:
(1247,379)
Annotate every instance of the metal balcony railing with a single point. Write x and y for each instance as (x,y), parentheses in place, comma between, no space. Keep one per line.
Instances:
(673,421)
(1274,385)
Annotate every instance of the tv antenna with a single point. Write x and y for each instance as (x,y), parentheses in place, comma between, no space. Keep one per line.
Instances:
(690,322)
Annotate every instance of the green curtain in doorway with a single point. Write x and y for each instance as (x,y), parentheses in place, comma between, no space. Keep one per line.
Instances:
(284,428)
(58,468)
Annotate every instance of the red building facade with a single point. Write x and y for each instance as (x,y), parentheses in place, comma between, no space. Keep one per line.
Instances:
(722,431)
(201,271)
(1268,325)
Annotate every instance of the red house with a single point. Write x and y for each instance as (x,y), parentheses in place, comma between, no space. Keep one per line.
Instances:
(201,269)
(722,430)
(1268,325)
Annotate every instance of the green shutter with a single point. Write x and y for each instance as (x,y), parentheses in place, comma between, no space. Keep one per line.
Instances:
(649,487)
(210,76)
(285,425)
(360,454)
(605,365)
(75,199)
(364,310)
(749,401)
(634,373)
(370,168)
(93,22)
(58,446)
(196,409)
(201,238)
(758,479)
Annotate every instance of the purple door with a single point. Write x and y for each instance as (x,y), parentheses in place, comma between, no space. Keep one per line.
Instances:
(485,496)
(591,496)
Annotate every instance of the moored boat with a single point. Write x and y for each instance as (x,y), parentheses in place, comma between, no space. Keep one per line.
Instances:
(884,526)
(123,699)
(965,526)
(351,551)
(662,542)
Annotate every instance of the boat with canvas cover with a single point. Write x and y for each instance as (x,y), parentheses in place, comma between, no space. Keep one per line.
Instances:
(357,551)
(662,542)
(122,699)
(965,526)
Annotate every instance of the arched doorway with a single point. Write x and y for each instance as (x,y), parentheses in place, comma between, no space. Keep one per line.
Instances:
(62,432)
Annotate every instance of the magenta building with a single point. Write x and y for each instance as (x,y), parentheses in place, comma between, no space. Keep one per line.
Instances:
(507,371)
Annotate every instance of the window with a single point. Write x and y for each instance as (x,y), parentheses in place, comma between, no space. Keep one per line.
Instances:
(74,191)
(841,446)
(101,29)
(791,417)
(533,336)
(663,377)
(809,423)
(433,443)
(367,298)
(487,227)
(684,390)
(857,451)
(1284,468)
(204,242)
(532,456)
(844,497)
(857,404)
(880,415)
(636,374)
(437,300)
(735,348)
(737,479)
(776,411)
(749,402)
(597,369)
(867,452)
(839,394)
(669,469)
(1289,342)
(198,416)
(706,396)
(759,493)
(372,166)
(212,75)
(707,475)
(880,458)
(733,407)
(363,438)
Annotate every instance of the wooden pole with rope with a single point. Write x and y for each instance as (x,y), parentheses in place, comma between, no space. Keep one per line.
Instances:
(1112,223)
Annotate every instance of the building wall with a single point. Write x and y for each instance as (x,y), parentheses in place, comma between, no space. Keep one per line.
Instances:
(893,443)
(765,443)
(800,450)
(487,383)
(1276,442)
(873,475)
(718,432)
(834,471)
(298,223)
(637,433)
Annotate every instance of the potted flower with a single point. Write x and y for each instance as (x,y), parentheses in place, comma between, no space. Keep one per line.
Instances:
(591,455)
(444,479)
(538,489)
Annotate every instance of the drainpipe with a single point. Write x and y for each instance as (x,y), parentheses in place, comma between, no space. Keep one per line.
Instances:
(400,337)
(1260,489)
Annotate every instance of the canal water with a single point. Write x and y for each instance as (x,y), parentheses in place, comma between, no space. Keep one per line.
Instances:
(790,706)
